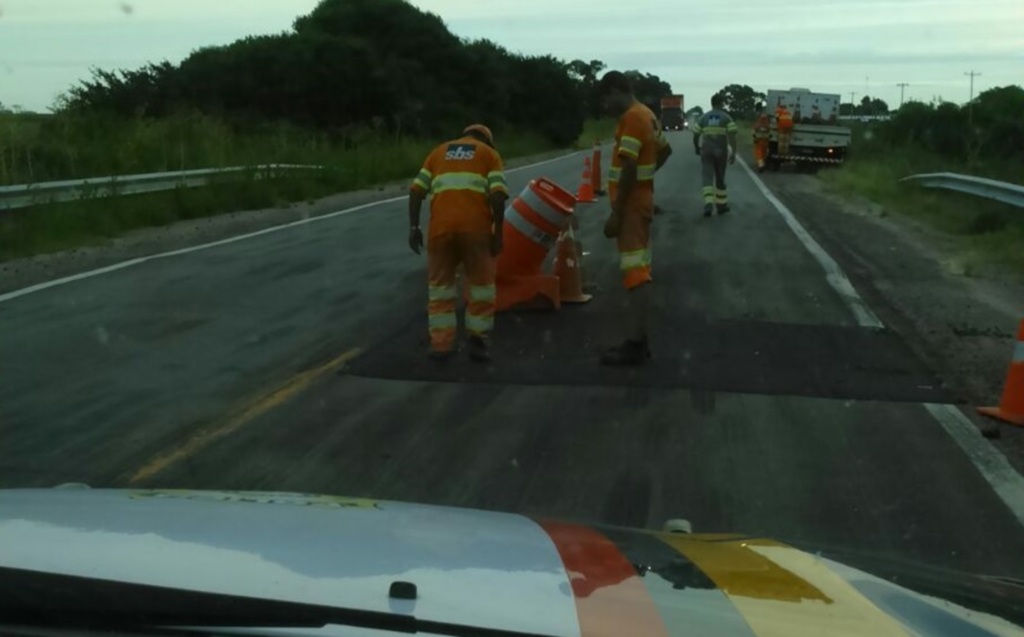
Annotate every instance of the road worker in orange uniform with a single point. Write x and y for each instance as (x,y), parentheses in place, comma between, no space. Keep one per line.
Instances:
(785,125)
(762,136)
(640,150)
(466,180)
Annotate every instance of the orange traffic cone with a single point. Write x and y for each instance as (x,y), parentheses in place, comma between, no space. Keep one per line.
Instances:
(596,176)
(585,194)
(1011,405)
(568,270)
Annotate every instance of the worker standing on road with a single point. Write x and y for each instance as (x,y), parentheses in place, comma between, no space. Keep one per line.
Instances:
(714,139)
(466,179)
(784,123)
(640,150)
(762,135)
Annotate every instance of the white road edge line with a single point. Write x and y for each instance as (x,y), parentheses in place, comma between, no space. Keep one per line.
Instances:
(242,237)
(990,462)
(833,273)
(1004,479)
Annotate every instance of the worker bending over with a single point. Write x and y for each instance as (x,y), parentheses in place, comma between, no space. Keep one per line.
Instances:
(466,179)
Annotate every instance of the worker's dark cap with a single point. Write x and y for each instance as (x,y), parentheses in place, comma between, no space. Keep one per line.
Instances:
(614,81)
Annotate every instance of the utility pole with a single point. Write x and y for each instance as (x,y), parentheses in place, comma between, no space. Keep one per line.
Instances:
(852,105)
(867,83)
(902,85)
(970,103)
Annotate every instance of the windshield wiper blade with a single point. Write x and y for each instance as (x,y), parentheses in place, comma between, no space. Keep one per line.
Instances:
(37,598)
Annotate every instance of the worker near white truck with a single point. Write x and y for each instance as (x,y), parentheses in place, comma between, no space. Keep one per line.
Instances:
(714,140)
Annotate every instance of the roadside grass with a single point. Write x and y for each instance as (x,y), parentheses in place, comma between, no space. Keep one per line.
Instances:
(989,235)
(45,148)
(601,129)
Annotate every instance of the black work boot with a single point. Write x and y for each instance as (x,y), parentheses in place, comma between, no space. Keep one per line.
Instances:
(630,353)
(479,350)
(439,355)
(708,209)
(724,208)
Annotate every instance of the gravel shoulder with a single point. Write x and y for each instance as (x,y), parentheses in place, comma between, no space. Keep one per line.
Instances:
(963,327)
(20,273)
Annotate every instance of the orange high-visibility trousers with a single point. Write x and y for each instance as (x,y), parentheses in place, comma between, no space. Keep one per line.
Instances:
(445,253)
(634,241)
(760,151)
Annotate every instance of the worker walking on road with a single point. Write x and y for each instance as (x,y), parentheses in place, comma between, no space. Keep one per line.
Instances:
(762,136)
(714,139)
(640,150)
(466,179)
(784,123)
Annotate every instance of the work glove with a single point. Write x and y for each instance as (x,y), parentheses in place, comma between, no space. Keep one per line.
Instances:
(612,225)
(497,244)
(415,240)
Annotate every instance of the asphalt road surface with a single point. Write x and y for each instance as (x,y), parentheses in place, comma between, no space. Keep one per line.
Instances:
(295,361)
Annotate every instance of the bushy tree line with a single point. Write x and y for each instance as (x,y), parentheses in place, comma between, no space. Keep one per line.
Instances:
(349,65)
(991,127)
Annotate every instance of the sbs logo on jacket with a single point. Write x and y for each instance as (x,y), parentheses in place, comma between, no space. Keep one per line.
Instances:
(460,152)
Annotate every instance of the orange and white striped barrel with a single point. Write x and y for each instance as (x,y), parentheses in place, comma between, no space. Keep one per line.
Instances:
(532,225)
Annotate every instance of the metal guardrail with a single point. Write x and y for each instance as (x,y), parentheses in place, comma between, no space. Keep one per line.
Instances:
(1012,194)
(25,195)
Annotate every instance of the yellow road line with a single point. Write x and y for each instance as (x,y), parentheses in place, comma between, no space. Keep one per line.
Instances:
(275,398)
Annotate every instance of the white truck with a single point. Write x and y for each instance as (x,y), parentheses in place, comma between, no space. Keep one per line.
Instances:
(818,138)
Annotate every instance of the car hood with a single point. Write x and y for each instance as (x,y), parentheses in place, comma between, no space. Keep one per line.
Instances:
(469,567)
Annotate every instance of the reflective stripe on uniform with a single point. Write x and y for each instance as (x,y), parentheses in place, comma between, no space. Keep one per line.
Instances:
(630,146)
(542,208)
(423,179)
(731,127)
(473,182)
(643,173)
(441,292)
(635,259)
(715,130)
(442,321)
(482,293)
(708,192)
(496,181)
(530,231)
(479,324)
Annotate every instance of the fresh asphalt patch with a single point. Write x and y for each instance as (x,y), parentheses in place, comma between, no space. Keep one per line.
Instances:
(742,356)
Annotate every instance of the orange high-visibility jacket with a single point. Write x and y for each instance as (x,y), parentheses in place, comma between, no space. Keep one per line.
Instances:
(638,136)
(762,127)
(460,175)
(785,119)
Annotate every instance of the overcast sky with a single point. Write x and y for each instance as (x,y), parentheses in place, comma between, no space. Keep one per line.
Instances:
(827,45)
